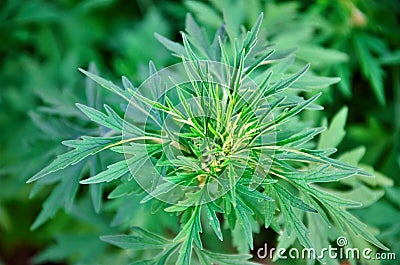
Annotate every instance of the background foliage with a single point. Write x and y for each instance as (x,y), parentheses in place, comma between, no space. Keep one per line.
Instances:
(44,42)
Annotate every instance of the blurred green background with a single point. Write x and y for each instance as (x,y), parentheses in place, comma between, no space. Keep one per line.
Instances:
(42,44)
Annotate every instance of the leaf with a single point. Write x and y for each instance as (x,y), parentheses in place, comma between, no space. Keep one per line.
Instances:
(321,56)
(189,233)
(336,132)
(361,229)
(244,222)
(252,193)
(370,66)
(113,172)
(62,195)
(161,189)
(213,220)
(290,199)
(175,47)
(124,189)
(108,85)
(269,213)
(301,138)
(83,148)
(251,36)
(197,35)
(299,228)
(312,82)
(325,197)
(96,194)
(285,83)
(191,200)
(142,241)
(112,121)
(228,259)
(204,12)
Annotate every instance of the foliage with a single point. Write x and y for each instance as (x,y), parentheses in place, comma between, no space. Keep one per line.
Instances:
(243,152)
(43,44)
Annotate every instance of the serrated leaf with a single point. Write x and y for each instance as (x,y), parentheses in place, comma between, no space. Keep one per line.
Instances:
(269,213)
(160,189)
(370,66)
(124,189)
(244,222)
(252,193)
(112,120)
(326,197)
(312,82)
(83,148)
(62,195)
(298,226)
(197,35)
(175,47)
(293,200)
(285,83)
(189,233)
(336,132)
(361,229)
(132,242)
(107,85)
(213,220)
(301,138)
(113,172)
(321,174)
(229,259)
(207,14)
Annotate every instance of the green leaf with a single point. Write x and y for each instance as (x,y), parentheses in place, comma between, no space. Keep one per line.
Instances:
(175,47)
(191,200)
(301,138)
(312,82)
(96,194)
(124,189)
(197,35)
(142,241)
(293,200)
(62,195)
(189,233)
(112,120)
(370,65)
(361,229)
(244,222)
(252,193)
(251,36)
(269,213)
(326,197)
(82,148)
(108,85)
(299,228)
(213,220)
(205,13)
(336,132)
(285,83)
(113,172)
(228,259)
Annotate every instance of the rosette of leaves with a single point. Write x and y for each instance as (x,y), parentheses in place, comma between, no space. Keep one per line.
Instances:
(251,148)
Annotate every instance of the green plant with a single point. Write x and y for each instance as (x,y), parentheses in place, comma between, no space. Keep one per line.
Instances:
(217,141)
(46,41)
(345,38)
